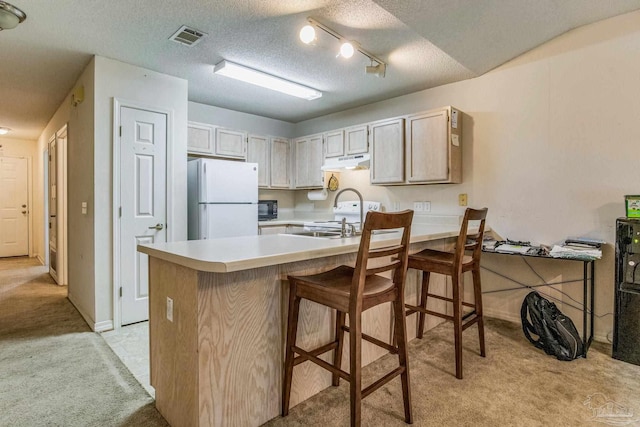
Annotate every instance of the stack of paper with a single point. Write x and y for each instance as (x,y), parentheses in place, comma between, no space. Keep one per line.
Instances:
(572,251)
(489,244)
(513,249)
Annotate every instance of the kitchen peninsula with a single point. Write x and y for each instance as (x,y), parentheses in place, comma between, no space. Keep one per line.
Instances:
(218,316)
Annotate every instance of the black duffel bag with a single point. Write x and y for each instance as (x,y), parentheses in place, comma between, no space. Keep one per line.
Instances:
(557,335)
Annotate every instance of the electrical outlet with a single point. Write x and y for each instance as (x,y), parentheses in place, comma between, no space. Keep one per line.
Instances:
(426,206)
(462,199)
(417,206)
(169,309)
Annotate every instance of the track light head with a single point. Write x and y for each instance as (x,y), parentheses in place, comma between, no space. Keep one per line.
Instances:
(347,49)
(377,70)
(307,34)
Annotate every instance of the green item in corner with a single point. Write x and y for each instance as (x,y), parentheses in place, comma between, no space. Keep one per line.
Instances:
(632,204)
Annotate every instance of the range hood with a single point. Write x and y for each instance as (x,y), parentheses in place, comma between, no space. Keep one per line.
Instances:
(356,161)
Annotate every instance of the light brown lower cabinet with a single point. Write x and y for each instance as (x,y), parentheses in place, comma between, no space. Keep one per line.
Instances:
(219,361)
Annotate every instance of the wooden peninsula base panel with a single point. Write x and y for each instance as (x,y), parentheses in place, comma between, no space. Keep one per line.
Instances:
(217,359)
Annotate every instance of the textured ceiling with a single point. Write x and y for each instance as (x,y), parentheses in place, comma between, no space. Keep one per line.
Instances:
(426,43)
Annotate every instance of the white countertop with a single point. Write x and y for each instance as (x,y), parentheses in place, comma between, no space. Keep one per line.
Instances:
(244,253)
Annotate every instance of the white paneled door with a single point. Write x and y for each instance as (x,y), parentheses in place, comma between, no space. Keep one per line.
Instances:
(143,164)
(14,212)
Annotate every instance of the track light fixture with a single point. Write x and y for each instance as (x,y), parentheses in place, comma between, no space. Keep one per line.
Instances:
(347,48)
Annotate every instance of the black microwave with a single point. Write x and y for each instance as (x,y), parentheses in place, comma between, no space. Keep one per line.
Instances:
(267,209)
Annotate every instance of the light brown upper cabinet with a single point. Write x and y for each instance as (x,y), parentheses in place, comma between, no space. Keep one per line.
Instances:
(356,140)
(334,143)
(200,138)
(387,151)
(231,143)
(273,156)
(308,161)
(280,164)
(258,152)
(433,147)
(210,140)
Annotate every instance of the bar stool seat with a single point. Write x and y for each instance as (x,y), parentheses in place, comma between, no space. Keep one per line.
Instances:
(454,264)
(333,288)
(351,291)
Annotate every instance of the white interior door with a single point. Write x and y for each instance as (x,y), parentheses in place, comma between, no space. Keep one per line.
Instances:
(14,212)
(53,209)
(143,167)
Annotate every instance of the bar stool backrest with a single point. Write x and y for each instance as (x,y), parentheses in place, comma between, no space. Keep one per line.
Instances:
(397,253)
(470,242)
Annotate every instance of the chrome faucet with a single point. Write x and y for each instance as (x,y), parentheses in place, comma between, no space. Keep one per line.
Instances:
(335,205)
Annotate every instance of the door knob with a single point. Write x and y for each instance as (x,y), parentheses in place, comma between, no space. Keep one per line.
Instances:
(24,206)
(157,227)
(24,212)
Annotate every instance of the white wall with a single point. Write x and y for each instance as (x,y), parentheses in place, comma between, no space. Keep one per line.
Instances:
(144,88)
(549,143)
(80,188)
(241,121)
(12,147)
(90,177)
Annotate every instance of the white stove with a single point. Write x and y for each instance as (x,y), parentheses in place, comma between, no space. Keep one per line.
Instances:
(350,210)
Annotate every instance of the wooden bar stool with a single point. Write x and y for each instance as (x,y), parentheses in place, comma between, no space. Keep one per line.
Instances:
(351,291)
(454,265)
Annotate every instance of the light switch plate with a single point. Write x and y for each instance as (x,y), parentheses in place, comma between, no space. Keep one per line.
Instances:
(462,199)
(169,309)
(426,206)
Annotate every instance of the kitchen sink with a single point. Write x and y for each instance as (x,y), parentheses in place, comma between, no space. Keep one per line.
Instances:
(334,234)
(325,234)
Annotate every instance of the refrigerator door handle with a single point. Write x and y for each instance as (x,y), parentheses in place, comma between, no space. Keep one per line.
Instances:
(203,183)
(204,224)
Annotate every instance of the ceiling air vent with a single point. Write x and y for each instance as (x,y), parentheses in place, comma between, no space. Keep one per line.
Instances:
(187,36)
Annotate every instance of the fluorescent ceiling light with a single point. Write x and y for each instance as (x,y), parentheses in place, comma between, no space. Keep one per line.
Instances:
(4,131)
(265,80)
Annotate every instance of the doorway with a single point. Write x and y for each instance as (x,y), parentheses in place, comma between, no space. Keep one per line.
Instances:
(57,206)
(140,189)
(14,209)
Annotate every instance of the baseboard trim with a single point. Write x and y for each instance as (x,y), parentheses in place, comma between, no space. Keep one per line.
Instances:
(510,317)
(106,325)
(40,259)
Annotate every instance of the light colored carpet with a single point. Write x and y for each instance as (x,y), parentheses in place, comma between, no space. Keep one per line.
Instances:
(54,371)
(515,385)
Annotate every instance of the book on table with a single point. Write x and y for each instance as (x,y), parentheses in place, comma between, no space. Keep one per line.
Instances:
(513,249)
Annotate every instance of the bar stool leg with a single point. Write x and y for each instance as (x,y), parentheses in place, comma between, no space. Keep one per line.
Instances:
(477,294)
(292,328)
(337,357)
(424,291)
(400,328)
(457,319)
(355,361)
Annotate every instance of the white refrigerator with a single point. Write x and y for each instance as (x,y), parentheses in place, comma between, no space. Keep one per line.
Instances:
(222,198)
